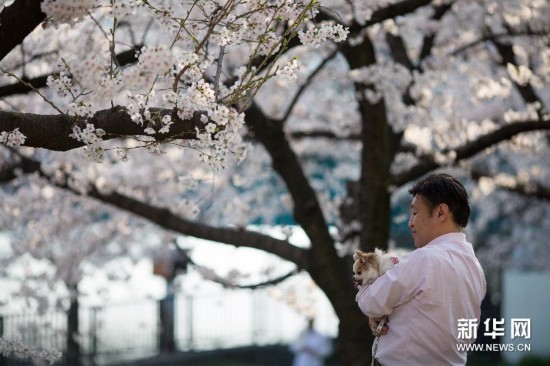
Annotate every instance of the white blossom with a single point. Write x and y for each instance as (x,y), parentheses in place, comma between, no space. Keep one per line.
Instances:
(62,84)
(90,135)
(156,60)
(67,10)
(13,347)
(315,35)
(288,72)
(13,138)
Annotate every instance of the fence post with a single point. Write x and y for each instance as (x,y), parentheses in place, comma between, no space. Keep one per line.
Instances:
(93,334)
(2,359)
(73,346)
(167,341)
(254,314)
(189,301)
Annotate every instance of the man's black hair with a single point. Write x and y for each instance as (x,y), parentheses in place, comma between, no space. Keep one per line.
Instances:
(444,188)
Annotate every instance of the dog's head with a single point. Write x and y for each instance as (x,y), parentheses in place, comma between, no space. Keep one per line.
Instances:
(366,267)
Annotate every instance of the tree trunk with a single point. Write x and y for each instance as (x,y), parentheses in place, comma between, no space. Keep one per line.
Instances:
(16,22)
(330,272)
(371,203)
(354,338)
(372,194)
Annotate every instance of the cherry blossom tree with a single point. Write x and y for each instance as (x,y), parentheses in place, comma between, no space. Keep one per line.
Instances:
(203,117)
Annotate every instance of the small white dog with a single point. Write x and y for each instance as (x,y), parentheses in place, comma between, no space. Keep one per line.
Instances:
(369,266)
(366,269)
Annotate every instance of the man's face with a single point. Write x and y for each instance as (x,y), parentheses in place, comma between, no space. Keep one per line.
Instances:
(422,222)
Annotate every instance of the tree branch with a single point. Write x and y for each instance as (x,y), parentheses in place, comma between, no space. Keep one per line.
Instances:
(469,149)
(52,131)
(307,83)
(378,16)
(398,50)
(322,266)
(496,36)
(167,220)
(531,189)
(391,11)
(272,282)
(323,134)
(508,56)
(428,42)
(226,284)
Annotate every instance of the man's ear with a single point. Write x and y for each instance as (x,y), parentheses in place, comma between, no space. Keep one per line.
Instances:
(442,211)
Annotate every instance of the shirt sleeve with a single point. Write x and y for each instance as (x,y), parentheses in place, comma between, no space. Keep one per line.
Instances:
(399,285)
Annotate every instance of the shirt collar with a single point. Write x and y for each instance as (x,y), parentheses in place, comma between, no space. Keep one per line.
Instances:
(449,237)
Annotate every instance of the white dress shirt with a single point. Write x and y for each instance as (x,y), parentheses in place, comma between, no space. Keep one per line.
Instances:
(424,296)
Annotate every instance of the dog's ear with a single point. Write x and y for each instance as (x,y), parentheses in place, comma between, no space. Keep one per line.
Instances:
(361,256)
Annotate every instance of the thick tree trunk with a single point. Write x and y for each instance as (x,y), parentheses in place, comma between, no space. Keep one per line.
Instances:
(371,201)
(354,338)
(373,196)
(16,22)
(330,272)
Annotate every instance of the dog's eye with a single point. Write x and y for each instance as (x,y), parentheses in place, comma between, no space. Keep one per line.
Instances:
(358,272)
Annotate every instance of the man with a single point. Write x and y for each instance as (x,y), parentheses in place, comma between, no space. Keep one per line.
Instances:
(311,347)
(431,288)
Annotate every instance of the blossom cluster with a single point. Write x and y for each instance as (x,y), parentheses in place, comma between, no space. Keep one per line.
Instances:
(20,350)
(68,11)
(82,109)
(138,108)
(177,70)
(288,72)
(488,88)
(91,71)
(387,78)
(315,35)
(156,59)
(73,11)
(89,135)
(13,138)
(188,209)
(63,85)
(522,75)
(220,136)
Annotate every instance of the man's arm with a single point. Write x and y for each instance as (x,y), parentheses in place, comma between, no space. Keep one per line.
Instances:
(397,286)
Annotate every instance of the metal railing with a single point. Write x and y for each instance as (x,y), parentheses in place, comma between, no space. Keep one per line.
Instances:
(116,332)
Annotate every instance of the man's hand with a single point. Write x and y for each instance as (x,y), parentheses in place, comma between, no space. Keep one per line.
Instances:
(374,322)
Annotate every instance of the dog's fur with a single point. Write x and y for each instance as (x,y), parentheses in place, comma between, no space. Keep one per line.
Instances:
(369,266)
